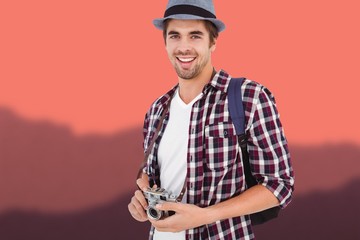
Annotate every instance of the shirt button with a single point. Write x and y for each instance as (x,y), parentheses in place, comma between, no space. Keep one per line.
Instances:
(225,133)
(193,130)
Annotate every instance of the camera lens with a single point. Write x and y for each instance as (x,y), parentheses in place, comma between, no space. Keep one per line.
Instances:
(154,214)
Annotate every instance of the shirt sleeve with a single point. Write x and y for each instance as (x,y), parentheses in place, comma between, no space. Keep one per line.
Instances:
(268,148)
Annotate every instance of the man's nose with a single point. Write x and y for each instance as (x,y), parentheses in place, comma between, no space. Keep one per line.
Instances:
(184,46)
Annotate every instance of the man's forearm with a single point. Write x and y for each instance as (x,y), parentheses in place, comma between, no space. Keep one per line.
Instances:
(189,216)
(253,200)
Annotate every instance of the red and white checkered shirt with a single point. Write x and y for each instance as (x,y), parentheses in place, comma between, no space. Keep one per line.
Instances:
(214,168)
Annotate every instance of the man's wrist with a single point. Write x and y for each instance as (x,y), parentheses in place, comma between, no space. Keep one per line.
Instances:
(211,214)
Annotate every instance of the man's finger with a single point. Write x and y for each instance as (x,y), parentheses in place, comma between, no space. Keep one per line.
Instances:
(168,206)
(143,182)
(141,199)
(138,214)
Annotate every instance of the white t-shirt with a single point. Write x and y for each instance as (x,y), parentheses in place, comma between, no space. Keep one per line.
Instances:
(172,154)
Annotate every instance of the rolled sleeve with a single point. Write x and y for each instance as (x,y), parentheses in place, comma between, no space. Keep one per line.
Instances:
(268,149)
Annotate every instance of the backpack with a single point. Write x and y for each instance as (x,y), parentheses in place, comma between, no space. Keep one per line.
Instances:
(237,115)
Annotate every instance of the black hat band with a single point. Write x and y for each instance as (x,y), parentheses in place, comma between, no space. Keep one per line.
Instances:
(188,9)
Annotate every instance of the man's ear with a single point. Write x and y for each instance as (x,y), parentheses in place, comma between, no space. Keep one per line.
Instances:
(213,45)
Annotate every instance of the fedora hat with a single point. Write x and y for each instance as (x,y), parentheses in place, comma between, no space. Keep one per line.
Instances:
(190,10)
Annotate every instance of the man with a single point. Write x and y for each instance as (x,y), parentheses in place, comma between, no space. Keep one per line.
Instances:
(196,152)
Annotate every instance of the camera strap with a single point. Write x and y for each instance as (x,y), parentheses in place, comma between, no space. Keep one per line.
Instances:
(153,140)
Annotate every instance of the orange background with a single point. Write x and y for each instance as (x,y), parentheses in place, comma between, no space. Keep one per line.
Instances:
(76,78)
(97,65)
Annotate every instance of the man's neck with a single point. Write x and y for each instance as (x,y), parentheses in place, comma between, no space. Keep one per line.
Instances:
(191,88)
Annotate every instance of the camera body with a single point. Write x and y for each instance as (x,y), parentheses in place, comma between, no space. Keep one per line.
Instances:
(155,196)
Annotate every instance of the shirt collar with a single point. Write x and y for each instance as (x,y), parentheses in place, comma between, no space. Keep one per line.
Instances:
(220,82)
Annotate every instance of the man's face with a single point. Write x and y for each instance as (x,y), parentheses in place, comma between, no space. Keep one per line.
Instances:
(188,47)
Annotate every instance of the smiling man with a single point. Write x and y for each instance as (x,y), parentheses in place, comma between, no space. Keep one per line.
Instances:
(189,62)
(191,146)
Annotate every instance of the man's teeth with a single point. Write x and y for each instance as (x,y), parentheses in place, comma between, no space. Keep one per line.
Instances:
(186,59)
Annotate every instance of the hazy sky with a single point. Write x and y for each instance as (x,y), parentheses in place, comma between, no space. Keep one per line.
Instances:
(97,66)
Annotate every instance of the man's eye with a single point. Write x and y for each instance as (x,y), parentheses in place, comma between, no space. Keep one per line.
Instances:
(195,37)
(174,36)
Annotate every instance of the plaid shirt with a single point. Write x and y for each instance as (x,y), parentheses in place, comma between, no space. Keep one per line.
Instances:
(214,168)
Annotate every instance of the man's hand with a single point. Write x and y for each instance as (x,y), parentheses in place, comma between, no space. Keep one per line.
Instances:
(186,216)
(138,202)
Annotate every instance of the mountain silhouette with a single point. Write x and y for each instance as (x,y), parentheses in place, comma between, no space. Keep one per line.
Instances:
(46,167)
(320,215)
(57,185)
(108,222)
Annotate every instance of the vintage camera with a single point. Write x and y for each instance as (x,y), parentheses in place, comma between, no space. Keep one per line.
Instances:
(155,196)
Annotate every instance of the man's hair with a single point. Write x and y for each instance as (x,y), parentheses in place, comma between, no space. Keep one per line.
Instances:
(210,27)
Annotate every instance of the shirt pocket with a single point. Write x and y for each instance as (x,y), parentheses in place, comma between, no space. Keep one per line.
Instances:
(220,146)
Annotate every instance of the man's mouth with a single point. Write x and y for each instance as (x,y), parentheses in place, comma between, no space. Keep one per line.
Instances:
(185,59)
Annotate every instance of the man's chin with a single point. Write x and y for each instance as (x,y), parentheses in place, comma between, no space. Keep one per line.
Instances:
(186,74)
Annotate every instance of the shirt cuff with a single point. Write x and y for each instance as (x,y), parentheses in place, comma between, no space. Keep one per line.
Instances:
(281,190)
